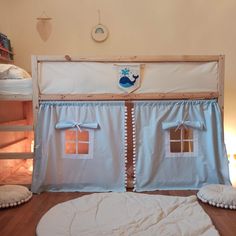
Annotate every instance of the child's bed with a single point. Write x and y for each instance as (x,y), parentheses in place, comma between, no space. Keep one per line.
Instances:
(102,124)
(16,125)
(153,121)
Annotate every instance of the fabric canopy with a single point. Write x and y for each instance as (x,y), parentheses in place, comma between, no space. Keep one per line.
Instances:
(100,77)
(102,169)
(157,167)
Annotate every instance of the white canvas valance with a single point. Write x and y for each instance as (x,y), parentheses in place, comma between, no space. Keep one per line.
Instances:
(99,77)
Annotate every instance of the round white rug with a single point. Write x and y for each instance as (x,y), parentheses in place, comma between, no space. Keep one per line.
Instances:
(116,214)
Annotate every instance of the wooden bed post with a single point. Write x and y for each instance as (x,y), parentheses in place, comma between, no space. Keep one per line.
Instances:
(35,96)
(221,64)
(35,88)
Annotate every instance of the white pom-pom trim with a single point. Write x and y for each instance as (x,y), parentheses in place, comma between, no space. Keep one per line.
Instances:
(216,204)
(12,204)
(126,148)
(134,148)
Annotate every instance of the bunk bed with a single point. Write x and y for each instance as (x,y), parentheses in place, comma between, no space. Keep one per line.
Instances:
(133,129)
(16,125)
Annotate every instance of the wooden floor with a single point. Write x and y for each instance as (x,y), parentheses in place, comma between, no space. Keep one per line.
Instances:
(22,220)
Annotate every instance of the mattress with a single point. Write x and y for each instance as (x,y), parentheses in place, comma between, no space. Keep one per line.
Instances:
(16,87)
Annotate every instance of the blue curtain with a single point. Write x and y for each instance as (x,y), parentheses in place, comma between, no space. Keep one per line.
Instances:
(155,168)
(103,171)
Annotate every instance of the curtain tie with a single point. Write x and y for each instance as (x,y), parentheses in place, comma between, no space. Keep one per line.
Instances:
(78,125)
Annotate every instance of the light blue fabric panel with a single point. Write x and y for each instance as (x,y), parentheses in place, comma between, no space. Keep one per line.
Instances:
(155,169)
(105,171)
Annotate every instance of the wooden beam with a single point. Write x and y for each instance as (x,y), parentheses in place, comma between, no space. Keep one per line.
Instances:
(35,78)
(16,155)
(221,75)
(168,58)
(14,122)
(131,96)
(10,128)
(16,97)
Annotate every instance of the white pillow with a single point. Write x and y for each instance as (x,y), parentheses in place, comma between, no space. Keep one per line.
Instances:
(8,71)
(218,195)
(13,195)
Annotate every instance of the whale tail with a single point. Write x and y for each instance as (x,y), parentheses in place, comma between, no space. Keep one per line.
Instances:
(135,78)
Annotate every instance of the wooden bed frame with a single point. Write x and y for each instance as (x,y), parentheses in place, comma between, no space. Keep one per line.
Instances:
(219,95)
(128,98)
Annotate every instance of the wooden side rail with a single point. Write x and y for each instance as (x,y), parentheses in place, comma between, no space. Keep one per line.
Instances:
(16,155)
(130,96)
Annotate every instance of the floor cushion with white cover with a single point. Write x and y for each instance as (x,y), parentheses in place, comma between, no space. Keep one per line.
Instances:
(115,214)
(218,195)
(13,195)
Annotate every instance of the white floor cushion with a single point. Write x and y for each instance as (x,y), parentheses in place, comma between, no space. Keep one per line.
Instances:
(218,195)
(115,214)
(13,195)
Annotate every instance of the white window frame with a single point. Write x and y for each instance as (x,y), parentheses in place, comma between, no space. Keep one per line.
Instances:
(78,155)
(170,154)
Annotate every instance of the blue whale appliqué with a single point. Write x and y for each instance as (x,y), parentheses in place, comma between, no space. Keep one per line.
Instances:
(126,82)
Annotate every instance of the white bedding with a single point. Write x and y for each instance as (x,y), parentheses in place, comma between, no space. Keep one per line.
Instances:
(16,86)
(14,80)
(127,214)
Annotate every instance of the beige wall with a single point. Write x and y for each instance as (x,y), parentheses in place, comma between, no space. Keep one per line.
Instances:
(137,27)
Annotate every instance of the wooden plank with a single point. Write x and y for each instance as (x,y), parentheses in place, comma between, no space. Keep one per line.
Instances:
(221,82)
(35,88)
(16,97)
(17,146)
(11,128)
(169,58)
(11,110)
(131,96)
(28,114)
(14,122)
(16,155)
(27,111)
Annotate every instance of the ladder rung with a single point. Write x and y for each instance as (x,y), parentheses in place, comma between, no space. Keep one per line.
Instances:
(16,155)
(16,128)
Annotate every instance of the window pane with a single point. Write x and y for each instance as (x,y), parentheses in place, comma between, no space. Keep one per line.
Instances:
(188,146)
(70,134)
(83,148)
(83,136)
(175,134)
(70,148)
(175,146)
(187,134)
